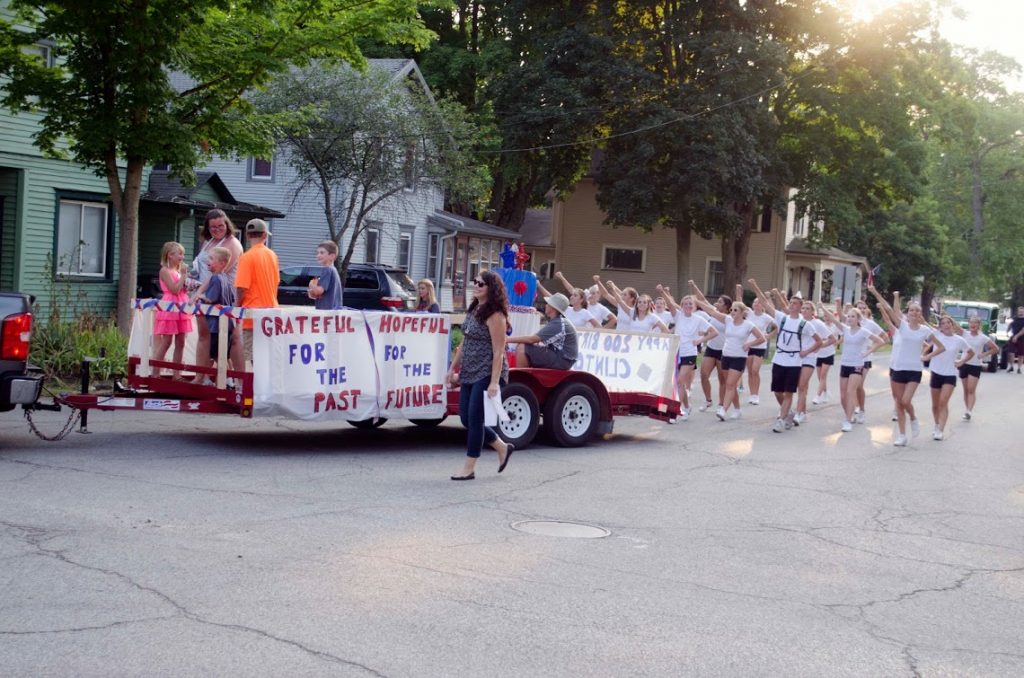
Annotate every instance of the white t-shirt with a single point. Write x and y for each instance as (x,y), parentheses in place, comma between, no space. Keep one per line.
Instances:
(977,342)
(735,335)
(624,320)
(945,363)
(689,329)
(649,323)
(719,341)
(791,340)
(873,327)
(820,329)
(906,356)
(666,317)
(833,331)
(761,321)
(855,346)
(600,312)
(580,318)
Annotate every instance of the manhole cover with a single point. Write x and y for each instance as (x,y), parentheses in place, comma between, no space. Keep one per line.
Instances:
(560,528)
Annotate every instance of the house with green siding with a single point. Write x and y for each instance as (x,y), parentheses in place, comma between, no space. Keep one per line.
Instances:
(58,227)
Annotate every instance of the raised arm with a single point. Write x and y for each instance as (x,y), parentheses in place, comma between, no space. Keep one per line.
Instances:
(710,309)
(780,298)
(768,305)
(617,297)
(833,317)
(696,292)
(670,303)
(605,294)
(542,291)
(887,310)
(565,283)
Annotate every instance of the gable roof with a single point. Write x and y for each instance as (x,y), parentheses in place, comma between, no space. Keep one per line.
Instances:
(802,247)
(169,190)
(453,223)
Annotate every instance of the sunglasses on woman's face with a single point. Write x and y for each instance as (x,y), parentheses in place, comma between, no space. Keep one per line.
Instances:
(479,283)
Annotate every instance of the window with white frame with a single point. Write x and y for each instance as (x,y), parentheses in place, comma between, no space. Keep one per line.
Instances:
(433,244)
(714,283)
(449,259)
(624,258)
(371,240)
(44,50)
(83,230)
(261,169)
(405,251)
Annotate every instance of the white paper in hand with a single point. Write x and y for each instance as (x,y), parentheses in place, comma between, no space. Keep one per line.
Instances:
(493,410)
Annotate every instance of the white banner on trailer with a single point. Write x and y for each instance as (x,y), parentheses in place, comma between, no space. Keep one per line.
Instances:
(352,365)
(629,361)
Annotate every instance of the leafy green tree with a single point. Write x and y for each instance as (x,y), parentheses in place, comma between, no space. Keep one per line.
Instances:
(360,139)
(109,103)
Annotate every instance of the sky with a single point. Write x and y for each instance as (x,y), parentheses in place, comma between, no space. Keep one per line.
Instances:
(990,24)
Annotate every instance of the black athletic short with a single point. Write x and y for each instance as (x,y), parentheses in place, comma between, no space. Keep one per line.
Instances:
(940,380)
(846,370)
(715,353)
(827,360)
(737,364)
(970,371)
(785,378)
(758,352)
(686,360)
(905,376)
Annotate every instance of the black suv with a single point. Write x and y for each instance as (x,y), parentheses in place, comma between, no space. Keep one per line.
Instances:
(371,287)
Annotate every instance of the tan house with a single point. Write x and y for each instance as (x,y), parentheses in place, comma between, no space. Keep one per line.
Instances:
(778,256)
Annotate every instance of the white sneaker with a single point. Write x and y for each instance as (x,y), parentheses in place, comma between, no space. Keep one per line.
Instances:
(824,397)
(720,413)
(754,400)
(705,406)
(799,418)
(915,428)
(673,420)
(779,426)
(967,415)
(789,422)
(858,417)
(735,414)
(937,435)
(816,400)
(684,415)
(846,427)
(901,441)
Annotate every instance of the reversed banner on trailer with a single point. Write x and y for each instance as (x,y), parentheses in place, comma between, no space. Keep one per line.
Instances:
(638,362)
(349,365)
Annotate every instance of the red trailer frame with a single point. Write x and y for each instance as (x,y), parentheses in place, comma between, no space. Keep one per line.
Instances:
(575,405)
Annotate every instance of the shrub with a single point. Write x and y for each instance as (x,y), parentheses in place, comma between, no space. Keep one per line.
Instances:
(58,348)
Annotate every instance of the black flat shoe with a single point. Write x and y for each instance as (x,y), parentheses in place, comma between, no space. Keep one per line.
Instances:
(471,476)
(508,455)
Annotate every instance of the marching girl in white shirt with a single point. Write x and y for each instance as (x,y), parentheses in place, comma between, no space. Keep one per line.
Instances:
(592,302)
(624,300)
(970,373)
(578,314)
(858,344)
(944,366)
(826,356)
(868,323)
(711,361)
(740,335)
(766,323)
(906,365)
(693,329)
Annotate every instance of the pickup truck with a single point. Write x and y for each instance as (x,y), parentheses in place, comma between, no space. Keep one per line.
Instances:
(17,385)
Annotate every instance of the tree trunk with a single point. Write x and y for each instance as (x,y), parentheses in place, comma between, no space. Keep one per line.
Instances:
(977,203)
(927,295)
(683,272)
(511,210)
(126,203)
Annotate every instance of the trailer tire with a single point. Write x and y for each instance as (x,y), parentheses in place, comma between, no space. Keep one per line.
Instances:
(993,363)
(429,423)
(520,403)
(367,424)
(572,414)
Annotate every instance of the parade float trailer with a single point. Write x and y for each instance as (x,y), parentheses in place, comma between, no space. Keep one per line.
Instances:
(366,367)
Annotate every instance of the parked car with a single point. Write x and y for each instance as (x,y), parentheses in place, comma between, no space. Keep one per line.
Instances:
(367,286)
(19,385)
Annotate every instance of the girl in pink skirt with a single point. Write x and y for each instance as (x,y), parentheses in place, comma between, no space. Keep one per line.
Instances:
(171,325)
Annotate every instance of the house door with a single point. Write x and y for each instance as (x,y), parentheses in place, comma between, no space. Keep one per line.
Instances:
(459,281)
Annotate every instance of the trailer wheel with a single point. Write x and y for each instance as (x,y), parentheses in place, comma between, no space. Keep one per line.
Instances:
(993,363)
(428,423)
(523,411)
(572,414)
(368,423)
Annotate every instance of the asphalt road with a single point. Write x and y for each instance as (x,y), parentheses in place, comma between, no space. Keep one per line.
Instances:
(179,545)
